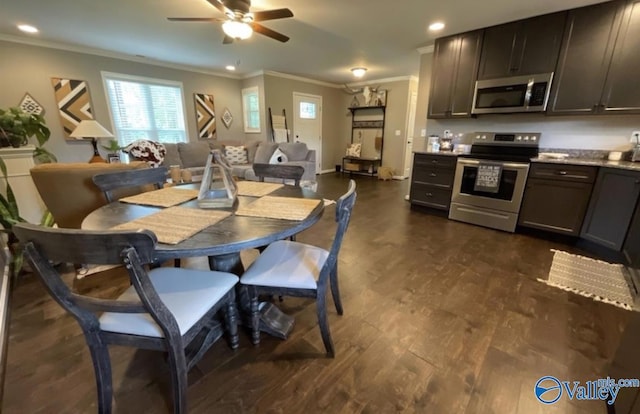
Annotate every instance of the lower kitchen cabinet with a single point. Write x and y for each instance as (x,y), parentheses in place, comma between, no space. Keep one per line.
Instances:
(631,248)
(611,208)
(556,197)
(432,180)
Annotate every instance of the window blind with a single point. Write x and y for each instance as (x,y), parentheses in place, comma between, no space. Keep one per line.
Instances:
(144,108)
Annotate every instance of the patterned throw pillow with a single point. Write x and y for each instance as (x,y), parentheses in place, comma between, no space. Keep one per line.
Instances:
(236,154)
(354,150)
(278,157)
(144,150)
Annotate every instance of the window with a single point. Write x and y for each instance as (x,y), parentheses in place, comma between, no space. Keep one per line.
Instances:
(251,109)
(307,110)
(145,108)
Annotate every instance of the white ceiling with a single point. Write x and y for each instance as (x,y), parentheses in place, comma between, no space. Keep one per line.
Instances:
(328,37)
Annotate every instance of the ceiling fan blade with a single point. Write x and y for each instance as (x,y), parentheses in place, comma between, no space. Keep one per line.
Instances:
(218,5)
(194,19)
(261,16)
(269,33)
(227,40)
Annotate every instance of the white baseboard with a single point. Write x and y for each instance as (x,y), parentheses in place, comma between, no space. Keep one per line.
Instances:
(327,171)
(399,177)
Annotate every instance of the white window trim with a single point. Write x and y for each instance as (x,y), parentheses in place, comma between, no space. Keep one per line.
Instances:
(245,113)
(142,79)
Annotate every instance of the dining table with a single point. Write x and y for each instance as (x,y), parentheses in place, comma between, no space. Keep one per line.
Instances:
(223,241)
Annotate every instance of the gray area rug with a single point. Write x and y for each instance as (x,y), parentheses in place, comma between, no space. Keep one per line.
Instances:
(601,281)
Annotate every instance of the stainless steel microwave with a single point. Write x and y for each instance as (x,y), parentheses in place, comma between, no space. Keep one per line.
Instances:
(528,93)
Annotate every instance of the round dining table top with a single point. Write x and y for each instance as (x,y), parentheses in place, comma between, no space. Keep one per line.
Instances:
(231,235)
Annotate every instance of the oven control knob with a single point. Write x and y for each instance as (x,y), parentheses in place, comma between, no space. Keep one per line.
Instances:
(484,137)
(533,138)
(526,137)
(519,138)
(477,136)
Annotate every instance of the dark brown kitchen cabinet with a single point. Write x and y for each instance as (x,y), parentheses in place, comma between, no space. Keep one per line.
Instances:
(597,69)
(432,180)
(556,197)
(455,65)
(631,248)
(622,89)
(523,47)
(611,208)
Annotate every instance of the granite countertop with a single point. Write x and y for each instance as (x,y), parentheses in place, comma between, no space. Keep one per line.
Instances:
(445,153)
(625,165)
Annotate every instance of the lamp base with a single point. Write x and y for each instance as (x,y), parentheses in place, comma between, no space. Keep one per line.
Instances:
(96,155)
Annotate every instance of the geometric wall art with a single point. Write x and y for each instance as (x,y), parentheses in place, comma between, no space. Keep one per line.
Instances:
(227,118)
(205,116)
(29,105)
(74,103)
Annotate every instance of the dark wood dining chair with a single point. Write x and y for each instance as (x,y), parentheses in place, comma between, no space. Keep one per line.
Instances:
(295,269)
(165,309)
(284,172)
(110,183)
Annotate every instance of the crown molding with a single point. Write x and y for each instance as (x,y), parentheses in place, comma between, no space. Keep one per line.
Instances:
(300,78)
(109,54)
(383,80)
(426,49)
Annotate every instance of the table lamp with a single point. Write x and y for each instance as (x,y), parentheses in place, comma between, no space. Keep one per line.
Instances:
(90,128)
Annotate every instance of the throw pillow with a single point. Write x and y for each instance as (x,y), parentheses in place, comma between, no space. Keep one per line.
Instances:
(278,157)
(236,154)
(354,150)
(144,150)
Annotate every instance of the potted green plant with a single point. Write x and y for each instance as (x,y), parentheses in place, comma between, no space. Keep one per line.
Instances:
(114,149)
(17,126)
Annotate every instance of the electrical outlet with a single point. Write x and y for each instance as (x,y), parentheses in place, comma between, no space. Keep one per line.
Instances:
(635,137)
(423,132)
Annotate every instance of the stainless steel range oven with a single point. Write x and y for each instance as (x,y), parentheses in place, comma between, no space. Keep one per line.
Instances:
(489,181)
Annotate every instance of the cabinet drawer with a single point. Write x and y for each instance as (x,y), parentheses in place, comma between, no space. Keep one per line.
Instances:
(426,195)
(443,161)
(578,173)
(439,177)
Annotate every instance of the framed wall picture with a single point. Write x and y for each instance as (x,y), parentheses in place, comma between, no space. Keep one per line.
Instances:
(227,118)
(381,98)
(30,105)
(74,103)
(205,116)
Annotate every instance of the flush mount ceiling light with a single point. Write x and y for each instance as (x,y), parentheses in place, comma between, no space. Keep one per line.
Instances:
(230,67)
(436,26)
(27,28)
(358,72)
(237,30)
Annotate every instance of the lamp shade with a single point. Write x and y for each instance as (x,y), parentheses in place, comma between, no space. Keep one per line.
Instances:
(90,128)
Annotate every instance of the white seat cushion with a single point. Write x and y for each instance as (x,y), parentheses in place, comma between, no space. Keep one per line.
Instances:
(286,264)
(187,293)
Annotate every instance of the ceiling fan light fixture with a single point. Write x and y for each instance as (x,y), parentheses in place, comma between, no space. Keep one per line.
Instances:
(237,30)
(435,26)
(358,72)
(230,67)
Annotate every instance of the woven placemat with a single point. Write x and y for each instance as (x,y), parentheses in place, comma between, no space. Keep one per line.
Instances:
(175,224)
(165,197)
(256,188)
(285,208)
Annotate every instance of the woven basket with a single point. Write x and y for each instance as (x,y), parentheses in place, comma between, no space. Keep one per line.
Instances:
(351,166)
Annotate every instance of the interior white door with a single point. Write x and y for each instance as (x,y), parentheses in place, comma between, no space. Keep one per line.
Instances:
(307,123)
(408,150)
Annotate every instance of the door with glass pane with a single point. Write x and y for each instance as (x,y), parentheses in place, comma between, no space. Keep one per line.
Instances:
(307,123)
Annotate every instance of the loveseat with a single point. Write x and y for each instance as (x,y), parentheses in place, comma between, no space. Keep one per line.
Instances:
(242,155)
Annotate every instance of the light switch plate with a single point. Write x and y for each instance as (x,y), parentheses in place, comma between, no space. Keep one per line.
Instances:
(397,132)
(423,132)
(635,137)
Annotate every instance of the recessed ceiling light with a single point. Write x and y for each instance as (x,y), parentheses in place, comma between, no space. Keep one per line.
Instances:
(436,26)
(358,72)
(230,67)
(27,28)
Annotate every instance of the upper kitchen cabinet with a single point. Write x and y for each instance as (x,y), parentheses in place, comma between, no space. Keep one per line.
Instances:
(455,64)
(523,47)
(596,71)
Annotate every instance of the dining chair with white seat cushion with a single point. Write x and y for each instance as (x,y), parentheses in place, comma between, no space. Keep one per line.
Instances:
(292,268)
(164,309)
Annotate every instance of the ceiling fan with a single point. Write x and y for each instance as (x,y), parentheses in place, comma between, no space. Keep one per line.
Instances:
(240,23)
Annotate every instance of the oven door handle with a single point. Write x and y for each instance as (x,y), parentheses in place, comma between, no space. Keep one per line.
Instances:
(510,165)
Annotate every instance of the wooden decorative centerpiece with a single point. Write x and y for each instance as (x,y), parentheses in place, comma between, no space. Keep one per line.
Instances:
(218,189)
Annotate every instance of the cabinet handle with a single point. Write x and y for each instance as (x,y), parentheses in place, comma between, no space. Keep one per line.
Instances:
(433,175)
(562,173)
(434,161)
(429,194)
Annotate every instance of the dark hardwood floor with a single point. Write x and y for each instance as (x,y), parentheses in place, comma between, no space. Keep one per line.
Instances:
(440,317)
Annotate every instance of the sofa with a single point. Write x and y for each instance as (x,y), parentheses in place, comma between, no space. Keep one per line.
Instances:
(193,156)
